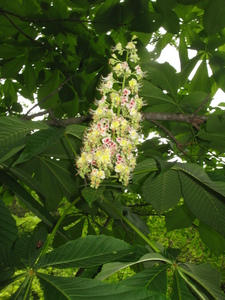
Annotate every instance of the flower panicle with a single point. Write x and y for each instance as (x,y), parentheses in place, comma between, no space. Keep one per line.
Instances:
(110,142)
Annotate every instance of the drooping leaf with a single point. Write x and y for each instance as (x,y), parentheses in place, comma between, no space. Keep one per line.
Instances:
(180,290)
(29,247)
(164,76)
(143,168)
(34,206)
(85,252)
(205,276)
(163,192)
(203,204)
(213,240)
(13,129)
(154,279)
(9,262)
(111,268)
(105,17)
(39,142)
(85,288)
(180,217)
(91,194)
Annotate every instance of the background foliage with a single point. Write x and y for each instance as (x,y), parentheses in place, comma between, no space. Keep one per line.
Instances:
(53,53)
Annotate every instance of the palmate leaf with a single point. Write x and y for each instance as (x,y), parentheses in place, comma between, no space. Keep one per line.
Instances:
(163,192)
(204,276)
(85,252)
(62,288)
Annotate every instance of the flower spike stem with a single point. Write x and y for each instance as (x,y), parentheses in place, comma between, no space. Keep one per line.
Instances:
(144,237)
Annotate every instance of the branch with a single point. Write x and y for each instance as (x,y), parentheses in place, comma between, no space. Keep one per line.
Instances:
(188,118)
(78,20)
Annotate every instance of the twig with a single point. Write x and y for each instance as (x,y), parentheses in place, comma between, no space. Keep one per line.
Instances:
(171,136)
(39,114)
(26,35)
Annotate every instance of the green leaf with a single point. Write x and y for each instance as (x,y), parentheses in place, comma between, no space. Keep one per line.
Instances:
(35,207)
(8,228)
(178,218)
(207,277)
(9,51)
(39,142)
(213,240)
(8,152)
(9,262)
(201,81)
(180,290)
(198,173)
(28,248)
(203,203)
(85,252)
(163,192)
(76,130)
(171,22)
(213,19)
(216,124)
(84,289)
(30,78)
(154,279)
(136,220)
(105,16)
(147,22)
(52,178)
(164,76)
(91,194)
(48,92)
(111,268)
(187,68)
(11,68)
(14,129)
(143,168)
(153,94)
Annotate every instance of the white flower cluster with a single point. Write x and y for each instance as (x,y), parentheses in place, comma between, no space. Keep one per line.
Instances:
(110,141)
